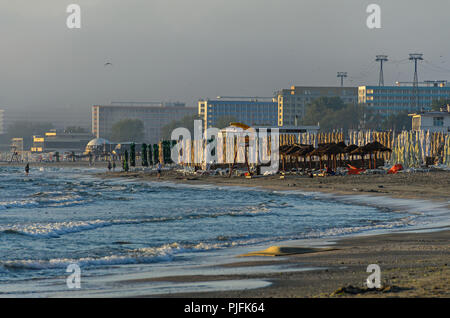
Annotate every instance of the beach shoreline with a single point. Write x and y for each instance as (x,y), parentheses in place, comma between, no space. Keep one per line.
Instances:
(413,264)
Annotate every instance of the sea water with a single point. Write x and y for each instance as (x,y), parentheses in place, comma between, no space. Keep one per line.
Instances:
(60,216)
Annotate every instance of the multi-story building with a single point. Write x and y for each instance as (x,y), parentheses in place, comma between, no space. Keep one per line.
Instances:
(154,116)
(54,141)
(292,102)
(434,121)
(252,111)
(404,97)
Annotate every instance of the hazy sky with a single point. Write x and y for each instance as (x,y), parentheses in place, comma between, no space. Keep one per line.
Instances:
(182,50)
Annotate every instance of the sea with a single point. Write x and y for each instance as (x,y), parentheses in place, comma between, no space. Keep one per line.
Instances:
(118,231)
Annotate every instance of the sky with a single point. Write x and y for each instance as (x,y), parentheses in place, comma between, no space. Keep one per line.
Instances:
(184,50)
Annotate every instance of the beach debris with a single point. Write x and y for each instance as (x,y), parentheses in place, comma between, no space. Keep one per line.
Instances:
(354,290)
(287,250)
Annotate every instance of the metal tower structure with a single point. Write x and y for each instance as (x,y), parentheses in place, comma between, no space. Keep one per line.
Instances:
(381,59)
(416,57)
(342,75)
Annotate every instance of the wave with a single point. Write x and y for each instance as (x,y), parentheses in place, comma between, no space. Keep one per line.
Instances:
(44,199)
(374,226)
(19,204)
(56,229)
(83,262)
(164,253)
(168,252)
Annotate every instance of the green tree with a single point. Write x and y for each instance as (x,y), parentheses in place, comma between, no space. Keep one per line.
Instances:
(26,130)
(371,119)
(144,155)
(332,113)
(155,153)
(75,130)
(399,121)
(150,156)
(321,108)
(436,104)
(186,122)
(224,121)
(133,155)
(125,161)
(127,130)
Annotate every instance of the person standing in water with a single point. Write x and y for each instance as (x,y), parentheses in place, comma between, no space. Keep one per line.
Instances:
(27,169)
(159,169)
(109,166)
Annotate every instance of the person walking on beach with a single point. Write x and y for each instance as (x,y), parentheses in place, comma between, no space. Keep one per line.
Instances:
(27,169)
(159,169)
(114,165)
(109,166)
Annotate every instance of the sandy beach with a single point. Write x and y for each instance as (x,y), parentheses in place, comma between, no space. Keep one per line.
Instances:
(412,264)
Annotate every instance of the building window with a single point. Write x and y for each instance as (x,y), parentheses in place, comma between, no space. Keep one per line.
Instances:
(438,121)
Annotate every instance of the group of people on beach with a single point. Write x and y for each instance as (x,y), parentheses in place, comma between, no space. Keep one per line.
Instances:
(112,166)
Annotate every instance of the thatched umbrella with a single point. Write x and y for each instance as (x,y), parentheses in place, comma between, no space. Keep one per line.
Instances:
(348,150)
(332,151)
(370,148)
(359,151)
(320,152)
(291,152)
(342,145)
(283,150)
(303,151)
(374,148)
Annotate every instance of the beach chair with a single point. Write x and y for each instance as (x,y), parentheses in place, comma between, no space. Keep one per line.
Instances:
(396,168)
(353,170)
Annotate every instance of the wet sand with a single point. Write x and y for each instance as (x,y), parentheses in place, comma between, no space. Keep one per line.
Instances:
(432,185)
(412,264)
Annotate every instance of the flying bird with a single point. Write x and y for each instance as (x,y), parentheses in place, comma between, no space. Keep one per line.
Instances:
(108,64)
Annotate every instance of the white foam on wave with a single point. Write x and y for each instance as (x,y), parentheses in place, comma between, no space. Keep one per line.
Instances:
(427,212)
(164,253)
(45,199)
(56,229)
(83,262)
(18,204)
(343,231)
(49,230)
